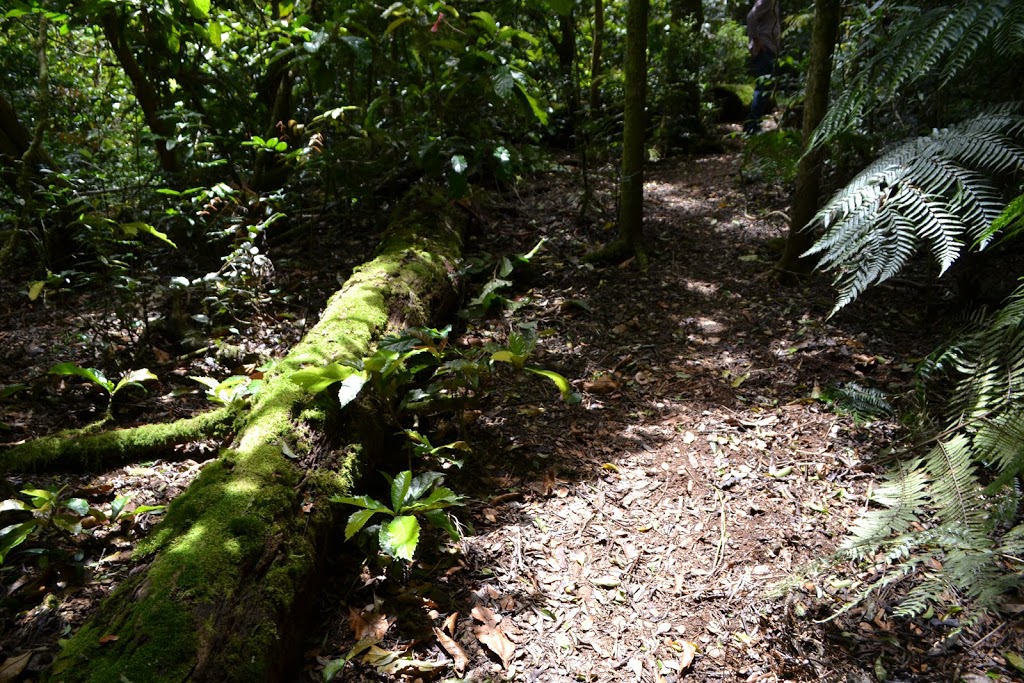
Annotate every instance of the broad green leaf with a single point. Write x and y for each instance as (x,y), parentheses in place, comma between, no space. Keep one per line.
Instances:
(561,382)
(200,8)
(35,289)
(440,498)
(395,24)
(441,520)
(459,164)
(154,509)
(13,536)
(69,523)
(78,505)
(486,19)
(506,356)
(216,33)
(357,520)
(133,228)
(134,378)
(361,501)
(501,153)
(503,82)
(11,390)
(539,113)
(350,388)
(91,374)
(208,382)
(40,497)
(420,485)
(400,490)
(315,380)
(400,536)
(281,146)
(117,506)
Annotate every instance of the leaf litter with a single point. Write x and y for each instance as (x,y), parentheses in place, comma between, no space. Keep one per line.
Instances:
(636,536)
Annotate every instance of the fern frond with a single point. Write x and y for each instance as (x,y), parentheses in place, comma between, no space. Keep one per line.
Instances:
(940,191)
(955,490)
(944,40)
(902,496)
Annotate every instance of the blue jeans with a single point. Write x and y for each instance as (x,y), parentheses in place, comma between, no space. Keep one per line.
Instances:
(761,67)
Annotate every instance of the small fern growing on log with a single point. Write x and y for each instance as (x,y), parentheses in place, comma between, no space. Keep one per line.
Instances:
(942,190)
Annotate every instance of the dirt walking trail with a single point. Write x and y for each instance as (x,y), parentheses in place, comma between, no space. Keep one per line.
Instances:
(635,536)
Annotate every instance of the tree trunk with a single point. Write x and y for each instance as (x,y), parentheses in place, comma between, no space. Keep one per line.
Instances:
(806,199)
(234,564)
(595,57)
(631,184)
(145,92)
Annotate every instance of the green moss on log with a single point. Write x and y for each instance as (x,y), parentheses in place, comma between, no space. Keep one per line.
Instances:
(236,552)
(88,450)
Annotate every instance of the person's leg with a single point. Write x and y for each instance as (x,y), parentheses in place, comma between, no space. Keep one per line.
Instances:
(761,68)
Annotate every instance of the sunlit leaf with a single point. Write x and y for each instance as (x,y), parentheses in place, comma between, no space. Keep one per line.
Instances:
(400,536)
(538,112)
(200,8)
(35,289)
(92,374)
(133,228)
(350,388)
(459,164)
(13,536)
(561,382)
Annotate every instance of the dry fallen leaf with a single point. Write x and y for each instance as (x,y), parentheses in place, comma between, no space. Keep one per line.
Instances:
(449,623)
(110,638)
(490,634)
(13,666)
(372,624)
(454,649)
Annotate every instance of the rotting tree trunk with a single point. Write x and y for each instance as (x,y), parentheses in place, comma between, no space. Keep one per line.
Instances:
(236,557)
(806,199)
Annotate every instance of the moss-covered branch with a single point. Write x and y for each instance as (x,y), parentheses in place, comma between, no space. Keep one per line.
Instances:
(235,558)
(82,449)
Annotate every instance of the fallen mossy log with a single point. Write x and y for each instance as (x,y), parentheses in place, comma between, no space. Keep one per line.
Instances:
(84,449)
(236,557)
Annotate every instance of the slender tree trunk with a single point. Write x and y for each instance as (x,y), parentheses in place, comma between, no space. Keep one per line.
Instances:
(595,57)
(145,92)
(631,206)
(630,242)
(232,570)
(806,199)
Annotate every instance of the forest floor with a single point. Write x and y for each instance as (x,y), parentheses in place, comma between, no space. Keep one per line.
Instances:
(639,535)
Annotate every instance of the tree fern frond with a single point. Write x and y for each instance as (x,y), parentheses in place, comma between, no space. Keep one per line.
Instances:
(922,596)
(903,497)
(945,40)
(955,490)
(976,31)
(939,191)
